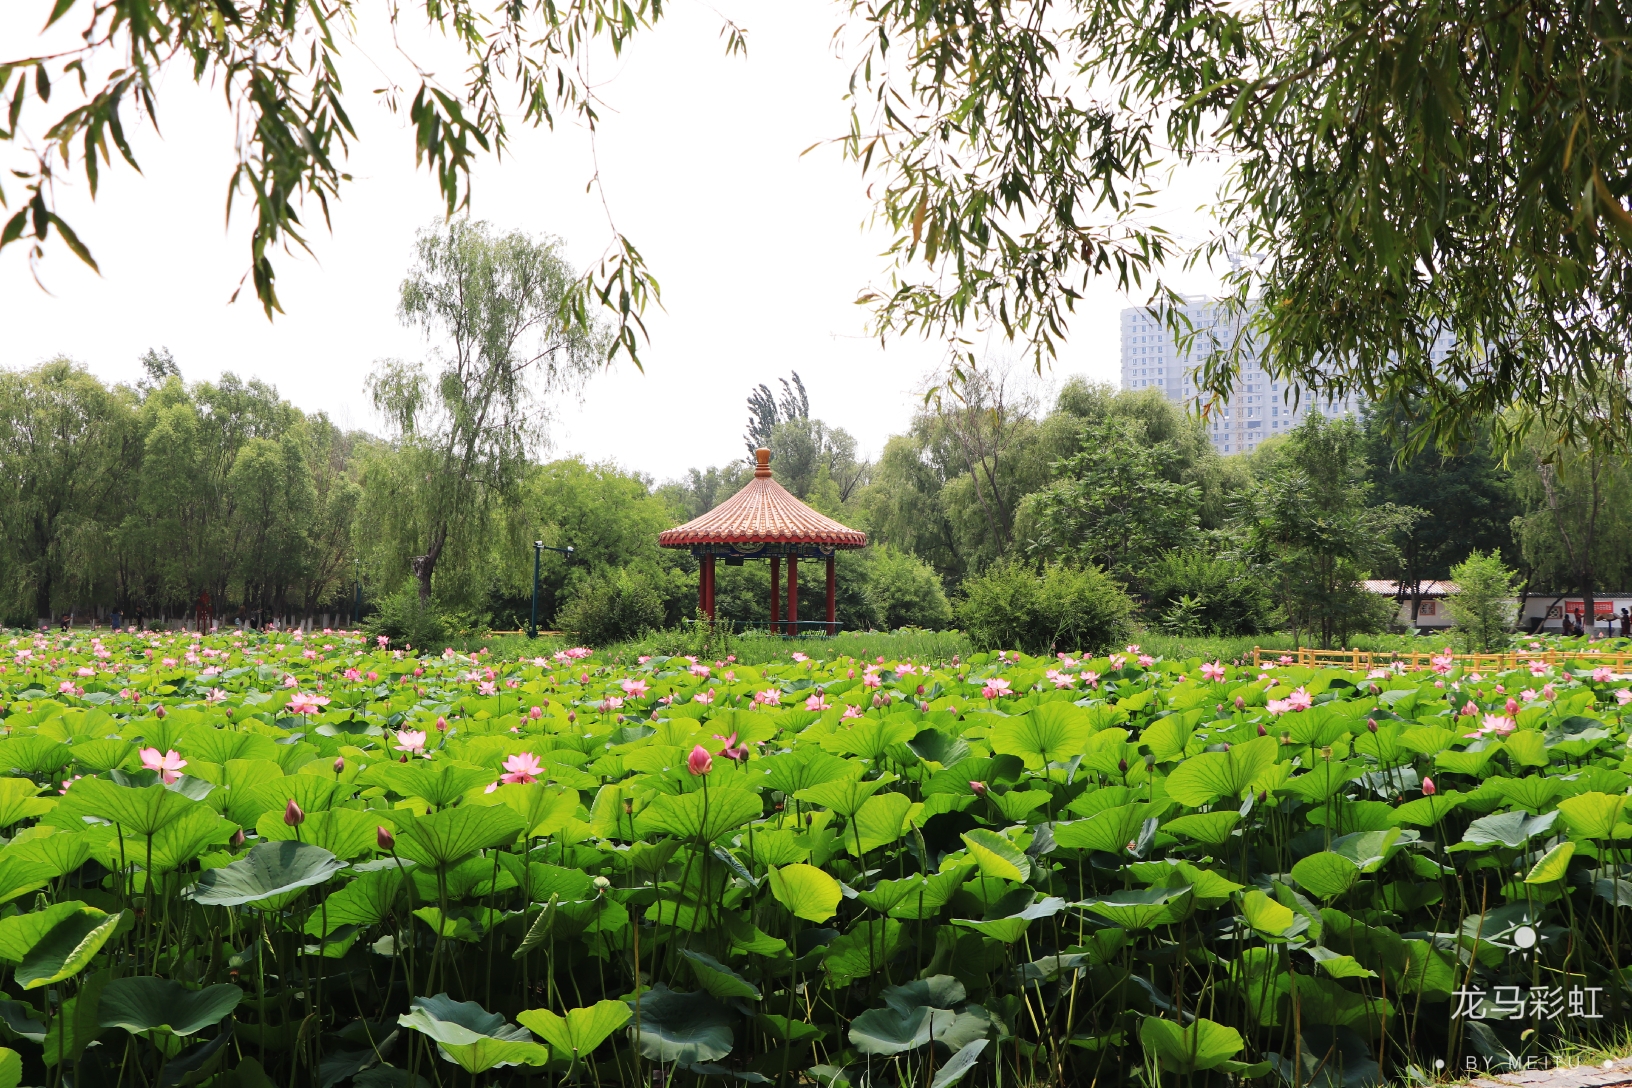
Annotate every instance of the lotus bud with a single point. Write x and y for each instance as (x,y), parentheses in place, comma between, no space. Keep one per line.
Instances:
(923,708)
(292,815)
(535,713)
(1220,708)
(339,764)
(1263,795)
(878,701)
(572,716)
(1226,746)
(601,883)
(851,675)
(441,725)
(160,712)
(920,689)
(1428,787)
(1512,706)
(1150,760)
(238,838)
(979,788)
(699,762)
(1262,731)
(1240,703)
(385,839)
(1122,766)
(1371,724)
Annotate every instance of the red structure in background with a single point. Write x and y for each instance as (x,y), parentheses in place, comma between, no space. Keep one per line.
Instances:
(763,521)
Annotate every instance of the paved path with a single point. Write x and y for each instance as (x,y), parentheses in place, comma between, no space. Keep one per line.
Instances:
(1580,1076)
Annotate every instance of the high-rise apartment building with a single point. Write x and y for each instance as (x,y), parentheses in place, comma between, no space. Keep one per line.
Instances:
(1261,405)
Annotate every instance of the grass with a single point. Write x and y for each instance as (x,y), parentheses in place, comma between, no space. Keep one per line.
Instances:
(748,647)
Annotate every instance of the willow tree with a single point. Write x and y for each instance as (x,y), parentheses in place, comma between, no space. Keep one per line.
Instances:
(465,424)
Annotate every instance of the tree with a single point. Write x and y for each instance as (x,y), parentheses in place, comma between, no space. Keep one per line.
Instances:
(1576,529)
(905,591)
(1465,492)
(1114,503)
(493,303)
(1011,606)
(1482,606)
(1315,530)
(765,411)
(805,450)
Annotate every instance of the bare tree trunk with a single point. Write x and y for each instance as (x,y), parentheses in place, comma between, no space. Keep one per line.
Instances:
(424,566)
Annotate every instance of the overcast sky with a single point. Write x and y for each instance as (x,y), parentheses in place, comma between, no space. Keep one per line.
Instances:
(760,252)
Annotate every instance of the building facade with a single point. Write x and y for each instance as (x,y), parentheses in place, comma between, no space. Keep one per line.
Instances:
(1261,405)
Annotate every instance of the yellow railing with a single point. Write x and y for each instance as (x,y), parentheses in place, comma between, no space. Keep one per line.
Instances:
(1365,660)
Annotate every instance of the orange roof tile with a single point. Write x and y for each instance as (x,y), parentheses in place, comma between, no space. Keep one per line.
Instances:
(763,512)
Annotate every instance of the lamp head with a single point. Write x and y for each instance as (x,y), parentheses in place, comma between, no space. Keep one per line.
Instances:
(538,543)
(569,549)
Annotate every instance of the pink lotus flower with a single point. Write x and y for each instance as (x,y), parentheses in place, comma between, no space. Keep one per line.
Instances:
(870,679)
(216,695)
(850,711)
(1091,678)
(978,788)
(1117,661)
(168,765)
(1212,670)
(699,670)
(352,674)
(487,687)
(1277,707)
(731,751)
(300,703)
(1499,724)
(699,762)
(995,688)
(1134,648)
(642,659)
(1146,661)
(816,702)
(1443,664)
(411,741)
(1512,707)
(1527,694)
(1428,787)
(1060,679)
(169,662)
(1538,668)
(706,697)
(521,769)
(800,657)
(768,697)
(611,702)
(906,669)
(535,713)
(67,688)
(578,652)
(1602,674)
(1547,692)
(382,640)
(289,681)
(1469,710)
(1623,696)
(83,671)
(1299,700)
(633,688)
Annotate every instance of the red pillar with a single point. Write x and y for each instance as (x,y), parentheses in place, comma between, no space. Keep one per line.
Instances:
(832,586)
(707,587)
(776,593)
(793,594)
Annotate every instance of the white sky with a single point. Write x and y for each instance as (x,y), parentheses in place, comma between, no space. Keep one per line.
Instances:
(761,252)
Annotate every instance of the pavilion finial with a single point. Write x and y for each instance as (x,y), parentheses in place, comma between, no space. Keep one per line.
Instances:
(763,468)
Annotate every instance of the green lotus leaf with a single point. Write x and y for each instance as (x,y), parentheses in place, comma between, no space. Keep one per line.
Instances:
(20,800)
(67,947)
(1326,875)
(1009,929)
(11,1068)
(844,796)
(1210,828)
(581,1030)
(806,891)
(718,979)
(344,832)
(1510,829)
(959,1064)
(1051,733)
(442,839)
(699,816)
(269,870)
(671,1026)
(1143,909)
(1203,1045)
(1552,865)
(140,812)
(146,1003)
(879,822)
(1204,778)
(996,855)
(438,782)
(1592,815)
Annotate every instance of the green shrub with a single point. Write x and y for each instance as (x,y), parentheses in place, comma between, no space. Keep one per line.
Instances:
(1193,593)
(401,619)
(1062,608)
(1482,607)
(613,606)
(906,592)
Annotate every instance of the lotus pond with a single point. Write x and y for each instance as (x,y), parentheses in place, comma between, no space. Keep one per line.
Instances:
(259,860)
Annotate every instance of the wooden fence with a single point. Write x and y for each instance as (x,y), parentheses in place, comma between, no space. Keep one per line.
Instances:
(1366,660)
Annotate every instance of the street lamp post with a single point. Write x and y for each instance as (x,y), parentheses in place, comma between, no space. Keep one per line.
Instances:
(540,547)
(357,600)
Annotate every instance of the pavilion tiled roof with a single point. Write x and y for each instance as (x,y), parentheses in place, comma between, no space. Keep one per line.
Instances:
(763,512)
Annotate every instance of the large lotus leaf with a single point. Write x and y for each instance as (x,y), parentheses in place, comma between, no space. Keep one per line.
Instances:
(885,1032)
(806,891)
(20,874)
(670,1026)
(1425,811)
(934,746)
(1202,1045)
(442,839)
(1534,793)
(484,1054)
(699,816)
(1204,778)
(844,796)
(996,855)
(21,932)
(1143,909)
(221,745)
(878,822)
(65,949)
(1270,919)
(77,1023)
(1427,740)
(146,1003)
(803,768)
(1167,738)
(1326,875)
(102,755)
(11,1068)
(1510,829)
(1110,830)
(1210,828)
(1009,929)
(870,738)
(1325,779)
(545,810)
(176,843)
(20,800)
(1369,849)
(450,1021)
(140,812)
(1051,733)
(914,896)
(269,869)
(1211,888)
(939,991)
(960,1063)
(63,852)
(1592,815)
(438,782)
(364,901)
(863,951)
(718,979)
(311,792)
(344,832)
(581,1030)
